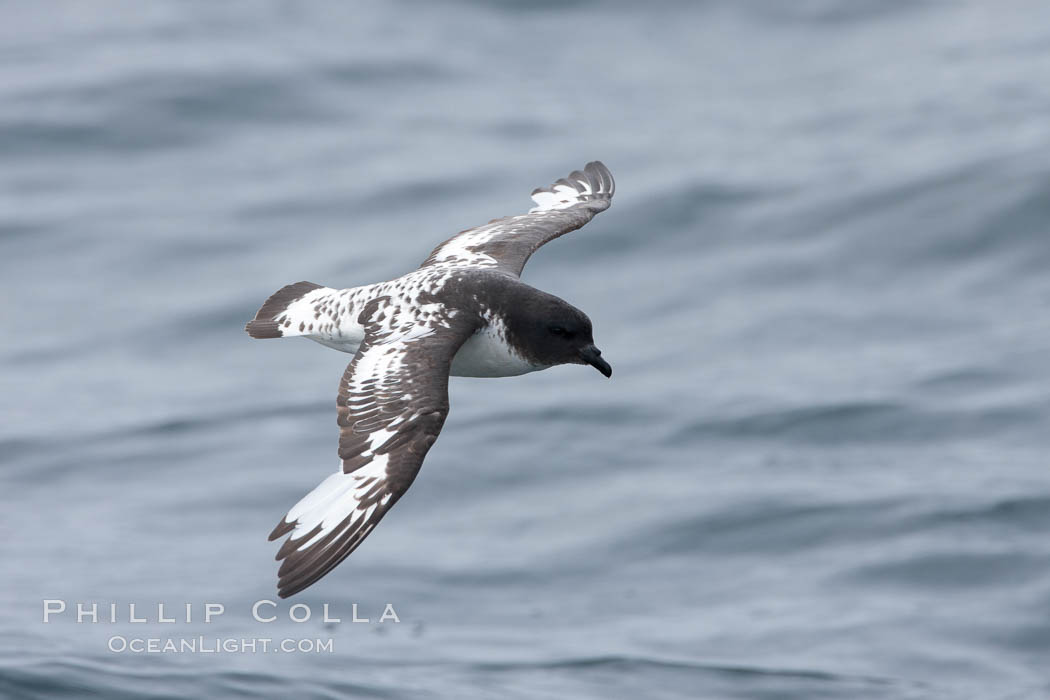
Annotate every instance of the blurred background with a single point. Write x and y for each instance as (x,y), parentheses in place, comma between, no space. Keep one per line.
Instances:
(819,471)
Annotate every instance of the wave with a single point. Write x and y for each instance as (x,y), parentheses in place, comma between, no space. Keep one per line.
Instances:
(883,422)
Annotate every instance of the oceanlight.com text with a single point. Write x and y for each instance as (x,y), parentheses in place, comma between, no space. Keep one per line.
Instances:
(119,644)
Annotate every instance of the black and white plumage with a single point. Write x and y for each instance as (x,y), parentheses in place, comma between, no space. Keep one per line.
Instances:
(463,312)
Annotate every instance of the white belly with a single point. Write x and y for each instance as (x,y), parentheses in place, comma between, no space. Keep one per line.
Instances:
(485,354)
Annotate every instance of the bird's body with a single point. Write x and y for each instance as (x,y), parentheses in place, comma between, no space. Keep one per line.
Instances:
(331,316)
(464,312)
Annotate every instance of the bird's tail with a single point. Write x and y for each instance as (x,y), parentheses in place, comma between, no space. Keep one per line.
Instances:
(292,310)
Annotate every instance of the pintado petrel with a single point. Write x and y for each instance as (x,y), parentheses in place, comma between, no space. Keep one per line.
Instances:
(464,312)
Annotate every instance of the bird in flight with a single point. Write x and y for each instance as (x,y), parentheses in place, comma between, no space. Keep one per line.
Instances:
(463,312)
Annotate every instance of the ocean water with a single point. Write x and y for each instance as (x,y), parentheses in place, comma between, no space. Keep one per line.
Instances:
(820,469)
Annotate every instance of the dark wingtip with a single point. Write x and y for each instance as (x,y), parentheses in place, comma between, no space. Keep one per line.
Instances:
(282,529)
(596,169)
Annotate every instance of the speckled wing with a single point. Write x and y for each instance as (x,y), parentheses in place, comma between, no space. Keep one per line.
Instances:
(506,244)
(393,400)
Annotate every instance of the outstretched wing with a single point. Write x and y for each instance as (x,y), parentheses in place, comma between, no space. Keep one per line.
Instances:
(393,400)
(506,244)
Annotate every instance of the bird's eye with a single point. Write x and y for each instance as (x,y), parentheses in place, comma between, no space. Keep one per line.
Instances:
(559,331)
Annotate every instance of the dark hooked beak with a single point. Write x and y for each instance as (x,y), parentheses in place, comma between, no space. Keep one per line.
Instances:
(593,356)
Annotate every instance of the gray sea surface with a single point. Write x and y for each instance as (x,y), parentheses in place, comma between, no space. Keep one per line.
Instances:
(820,469)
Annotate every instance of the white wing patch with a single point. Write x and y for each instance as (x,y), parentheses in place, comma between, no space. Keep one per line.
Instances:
(561,195)
(335,503)
(461,251)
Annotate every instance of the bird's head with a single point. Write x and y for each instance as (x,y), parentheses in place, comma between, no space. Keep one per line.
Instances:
(555,332)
